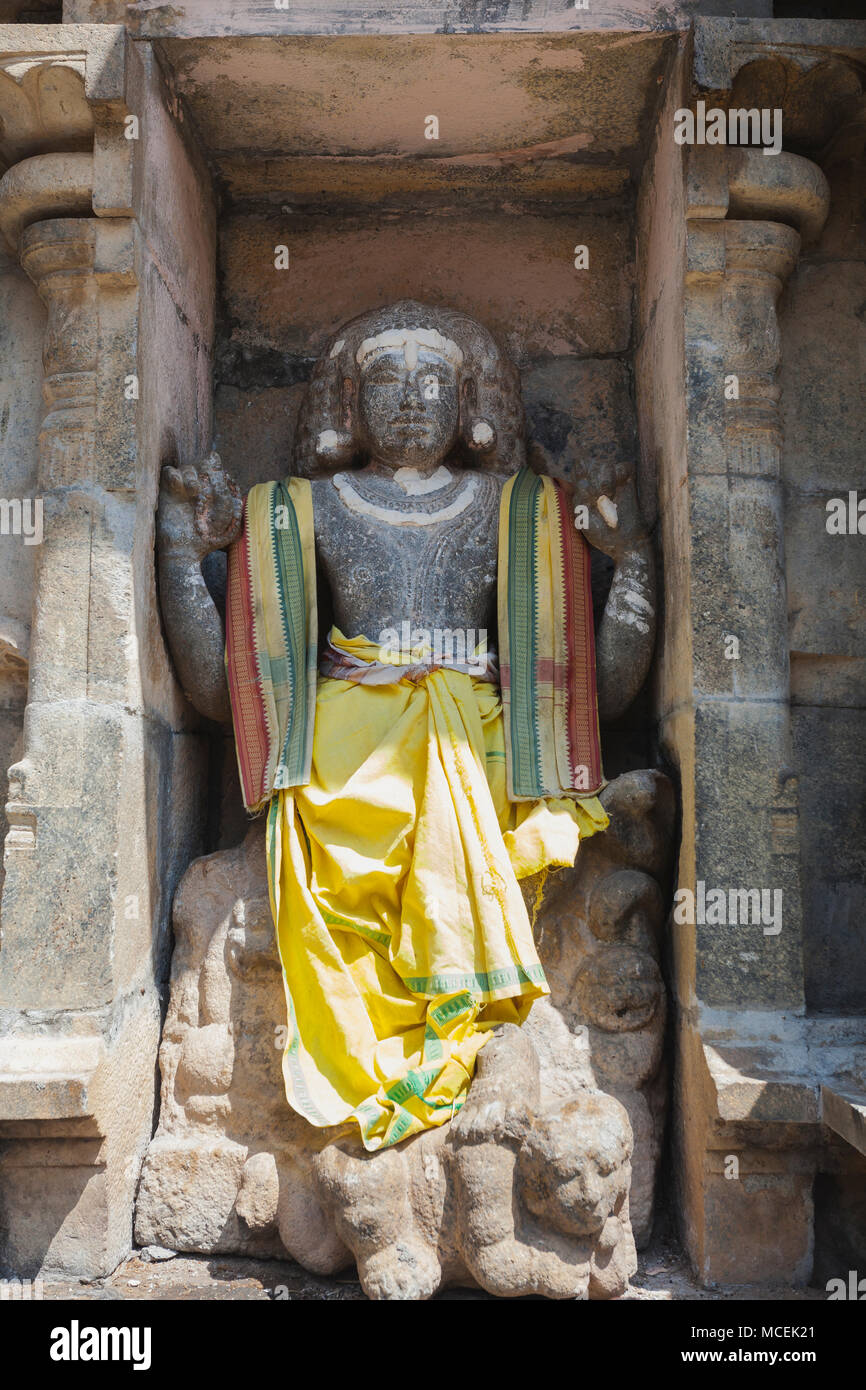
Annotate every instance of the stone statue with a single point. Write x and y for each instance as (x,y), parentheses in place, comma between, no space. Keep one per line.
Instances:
(537,1178)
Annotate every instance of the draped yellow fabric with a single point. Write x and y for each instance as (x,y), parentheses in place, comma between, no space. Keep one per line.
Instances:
(400,922)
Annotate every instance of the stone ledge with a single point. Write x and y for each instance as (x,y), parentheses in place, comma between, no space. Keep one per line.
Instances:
(752,1090)
(788,1069)
(843,1109)
(48,1077)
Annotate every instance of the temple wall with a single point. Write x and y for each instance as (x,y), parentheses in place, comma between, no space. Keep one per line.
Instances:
(824,413)
(759,683)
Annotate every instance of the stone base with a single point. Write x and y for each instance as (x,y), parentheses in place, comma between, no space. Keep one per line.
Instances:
(528,1190)
(74,1125)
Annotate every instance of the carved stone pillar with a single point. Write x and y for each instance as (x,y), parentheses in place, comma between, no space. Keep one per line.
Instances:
(59,258)
(74,797)
(78,1027)
(748,1110)
(759,257)
(103,798)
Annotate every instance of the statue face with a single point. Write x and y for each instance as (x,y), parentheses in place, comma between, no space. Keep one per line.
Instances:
(409,413)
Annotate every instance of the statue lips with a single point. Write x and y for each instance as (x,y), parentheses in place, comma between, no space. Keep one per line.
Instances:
(413,423)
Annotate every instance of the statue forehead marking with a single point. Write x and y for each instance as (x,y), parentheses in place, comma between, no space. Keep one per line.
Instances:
(409,341)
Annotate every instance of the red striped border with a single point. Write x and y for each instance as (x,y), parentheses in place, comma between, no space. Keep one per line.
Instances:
(582,723)
(244,676)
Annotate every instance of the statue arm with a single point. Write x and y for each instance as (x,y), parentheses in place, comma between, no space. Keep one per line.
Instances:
(606,512)
(199,512)
(626,636)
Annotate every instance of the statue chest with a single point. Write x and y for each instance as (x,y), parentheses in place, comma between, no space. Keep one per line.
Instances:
(391,556)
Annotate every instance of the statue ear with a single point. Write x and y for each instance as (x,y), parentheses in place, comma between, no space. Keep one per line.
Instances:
(336,447)
(477,433)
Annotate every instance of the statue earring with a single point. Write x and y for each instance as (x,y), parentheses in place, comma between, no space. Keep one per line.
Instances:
(337,447)
(334,447)
(479,434)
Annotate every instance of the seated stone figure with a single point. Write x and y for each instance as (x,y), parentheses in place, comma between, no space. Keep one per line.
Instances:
(412,783)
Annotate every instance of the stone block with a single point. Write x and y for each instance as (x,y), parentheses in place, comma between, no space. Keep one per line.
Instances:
(757,1228)
(69,1161)
(823,410)
(747,837)
(825,578)
(830,757)
(84,831)
(737,589)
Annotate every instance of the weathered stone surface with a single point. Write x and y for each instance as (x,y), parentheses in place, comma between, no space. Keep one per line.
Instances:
(515,274)
(501,99)
(825,431)
(738,561)
(269,414)
(104,804)
(782,1204)
(154,18)
(579,411)
(75,1118)
(834,893)
(46,185)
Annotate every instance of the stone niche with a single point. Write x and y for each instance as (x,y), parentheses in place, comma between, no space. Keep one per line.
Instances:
(282,180)
(521,213)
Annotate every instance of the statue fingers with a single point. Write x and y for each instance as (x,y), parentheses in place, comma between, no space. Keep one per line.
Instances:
(212,470)
(191,481)
(218,515)
(173,482)
(213,463)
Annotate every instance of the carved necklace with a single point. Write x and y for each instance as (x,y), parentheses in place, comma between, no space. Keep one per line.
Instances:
(364,498)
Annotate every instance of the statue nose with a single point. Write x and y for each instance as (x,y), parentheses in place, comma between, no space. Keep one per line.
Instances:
(411,395)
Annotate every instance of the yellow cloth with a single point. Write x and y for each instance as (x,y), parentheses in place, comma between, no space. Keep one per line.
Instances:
(401,926)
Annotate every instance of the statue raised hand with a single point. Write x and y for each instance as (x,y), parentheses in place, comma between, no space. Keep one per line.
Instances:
(607,514)
(200,510)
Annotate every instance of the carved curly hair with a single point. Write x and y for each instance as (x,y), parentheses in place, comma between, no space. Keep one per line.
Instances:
(488,385)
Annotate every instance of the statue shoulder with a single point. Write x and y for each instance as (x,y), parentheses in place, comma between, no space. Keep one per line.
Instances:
(491,486)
